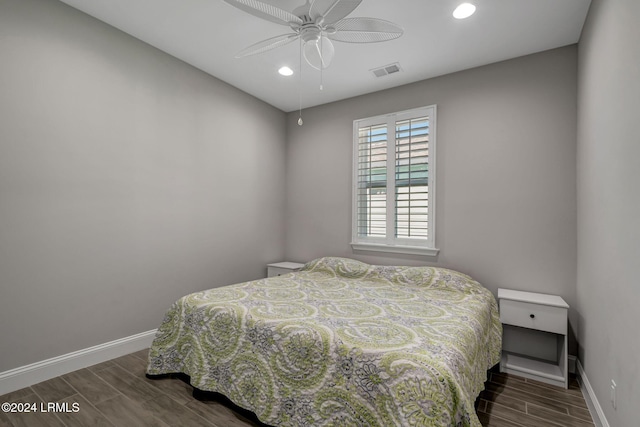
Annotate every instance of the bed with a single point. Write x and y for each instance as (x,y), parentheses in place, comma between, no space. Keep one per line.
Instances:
(339,343)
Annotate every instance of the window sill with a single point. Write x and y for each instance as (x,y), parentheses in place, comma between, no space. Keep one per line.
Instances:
(410,250)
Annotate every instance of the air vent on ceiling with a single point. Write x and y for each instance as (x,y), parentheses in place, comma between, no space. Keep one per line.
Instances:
(386,70)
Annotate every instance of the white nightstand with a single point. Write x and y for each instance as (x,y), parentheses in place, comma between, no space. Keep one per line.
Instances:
(280,268)
(546,314)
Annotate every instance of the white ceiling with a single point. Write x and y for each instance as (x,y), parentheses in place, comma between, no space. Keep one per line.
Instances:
(208,33)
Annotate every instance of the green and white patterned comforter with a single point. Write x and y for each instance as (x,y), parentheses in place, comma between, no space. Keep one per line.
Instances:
(339,343)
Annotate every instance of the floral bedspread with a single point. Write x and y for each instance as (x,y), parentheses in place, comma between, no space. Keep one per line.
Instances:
(339,343)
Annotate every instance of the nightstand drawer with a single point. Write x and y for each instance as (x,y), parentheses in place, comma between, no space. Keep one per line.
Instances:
(534,316)
(278,271)
(280,268)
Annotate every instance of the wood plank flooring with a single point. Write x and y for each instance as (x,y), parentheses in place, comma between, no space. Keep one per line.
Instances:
(117,393)
(511,401)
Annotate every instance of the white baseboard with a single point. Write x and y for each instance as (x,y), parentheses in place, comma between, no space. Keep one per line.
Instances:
(590,398)
(24,376)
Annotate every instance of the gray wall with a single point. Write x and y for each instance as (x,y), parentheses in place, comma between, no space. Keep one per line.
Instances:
(127,179)
(608,290)
(506,208)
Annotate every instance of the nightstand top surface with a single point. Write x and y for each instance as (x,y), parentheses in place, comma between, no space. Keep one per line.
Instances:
(531,297)
(286,264)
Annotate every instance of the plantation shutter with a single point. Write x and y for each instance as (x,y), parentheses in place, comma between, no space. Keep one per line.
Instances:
(412,178)
(372,181)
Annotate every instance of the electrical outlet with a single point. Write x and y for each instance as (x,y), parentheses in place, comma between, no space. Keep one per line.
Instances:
(613,394)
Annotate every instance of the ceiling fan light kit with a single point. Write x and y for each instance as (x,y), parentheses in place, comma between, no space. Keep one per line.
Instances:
(318,52)
(317,24)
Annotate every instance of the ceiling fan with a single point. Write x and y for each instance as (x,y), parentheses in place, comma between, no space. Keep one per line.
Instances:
(317,23)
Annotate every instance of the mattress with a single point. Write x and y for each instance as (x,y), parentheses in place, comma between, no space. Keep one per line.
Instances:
(339,343)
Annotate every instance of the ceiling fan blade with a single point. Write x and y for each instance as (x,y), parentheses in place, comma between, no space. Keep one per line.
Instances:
(266,11)
(268,44)
(332,10)
(365,30)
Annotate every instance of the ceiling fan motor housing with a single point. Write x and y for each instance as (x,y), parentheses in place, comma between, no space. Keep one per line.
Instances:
(310,32)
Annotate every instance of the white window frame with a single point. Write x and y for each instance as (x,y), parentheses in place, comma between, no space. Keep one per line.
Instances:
(390,243)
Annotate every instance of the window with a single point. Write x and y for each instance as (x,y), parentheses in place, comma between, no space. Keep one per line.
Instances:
(394,182)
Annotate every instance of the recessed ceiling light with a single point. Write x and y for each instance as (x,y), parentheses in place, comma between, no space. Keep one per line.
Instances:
(285,71)
(463,11)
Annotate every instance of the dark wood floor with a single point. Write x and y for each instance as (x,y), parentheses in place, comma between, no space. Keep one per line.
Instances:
(509,400)
(116,393)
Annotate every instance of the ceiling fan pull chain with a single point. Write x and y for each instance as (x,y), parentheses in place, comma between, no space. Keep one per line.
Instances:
(300,122)
(321,60)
